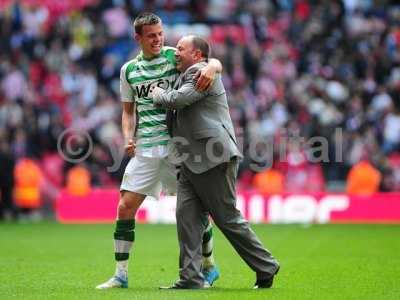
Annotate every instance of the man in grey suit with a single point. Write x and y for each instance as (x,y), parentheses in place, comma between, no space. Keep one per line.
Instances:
(204,138)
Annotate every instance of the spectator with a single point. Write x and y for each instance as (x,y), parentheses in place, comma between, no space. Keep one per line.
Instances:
(391,132)
(321,65)
(363,179)
(14,84)
(7,163)
(28,179)
(78,181)
(269,182)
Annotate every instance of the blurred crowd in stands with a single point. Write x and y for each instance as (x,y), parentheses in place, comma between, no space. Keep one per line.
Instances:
(292,68)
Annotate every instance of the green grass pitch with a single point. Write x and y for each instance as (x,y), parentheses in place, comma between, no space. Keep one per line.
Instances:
(53,261)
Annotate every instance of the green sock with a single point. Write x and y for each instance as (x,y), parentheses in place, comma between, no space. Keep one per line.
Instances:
(124,236)
(207,247)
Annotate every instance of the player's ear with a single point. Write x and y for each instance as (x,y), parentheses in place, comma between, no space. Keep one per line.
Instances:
(137,37)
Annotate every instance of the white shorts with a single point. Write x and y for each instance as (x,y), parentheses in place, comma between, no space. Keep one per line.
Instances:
(149,176)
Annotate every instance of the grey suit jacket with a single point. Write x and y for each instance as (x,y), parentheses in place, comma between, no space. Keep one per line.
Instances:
(202,130)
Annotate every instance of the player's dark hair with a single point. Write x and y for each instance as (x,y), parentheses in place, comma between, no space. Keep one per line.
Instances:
(145,19)
(202,45)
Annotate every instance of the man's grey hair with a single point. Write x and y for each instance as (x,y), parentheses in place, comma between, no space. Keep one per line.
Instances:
(145,19)
(202,45)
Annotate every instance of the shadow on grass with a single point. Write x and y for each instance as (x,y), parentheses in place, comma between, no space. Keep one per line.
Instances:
(213,290)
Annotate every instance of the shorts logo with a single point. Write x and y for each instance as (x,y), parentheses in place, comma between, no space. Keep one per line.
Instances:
(125,177)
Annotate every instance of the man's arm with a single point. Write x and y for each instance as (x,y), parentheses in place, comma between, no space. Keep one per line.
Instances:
(177,99)
(128,126)
(206,76)
(128,121)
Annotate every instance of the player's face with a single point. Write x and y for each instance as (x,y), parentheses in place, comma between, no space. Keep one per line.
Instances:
(185,54)
(151,40)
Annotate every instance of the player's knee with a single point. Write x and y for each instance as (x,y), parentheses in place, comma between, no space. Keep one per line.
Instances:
(122,207)
(129,203)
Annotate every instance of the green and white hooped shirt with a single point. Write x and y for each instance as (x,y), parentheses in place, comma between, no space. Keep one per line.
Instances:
(136,79)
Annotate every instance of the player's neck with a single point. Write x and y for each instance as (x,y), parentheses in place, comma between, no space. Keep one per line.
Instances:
(149,56)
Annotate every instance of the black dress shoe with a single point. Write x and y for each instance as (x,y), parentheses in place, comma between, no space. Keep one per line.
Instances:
(178,286)
(265,283)
(173,287)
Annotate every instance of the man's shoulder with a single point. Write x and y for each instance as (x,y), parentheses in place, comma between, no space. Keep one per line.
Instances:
(193,69)
(129,65)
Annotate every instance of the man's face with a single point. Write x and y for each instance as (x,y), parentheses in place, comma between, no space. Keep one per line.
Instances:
(151,40)
(185,54)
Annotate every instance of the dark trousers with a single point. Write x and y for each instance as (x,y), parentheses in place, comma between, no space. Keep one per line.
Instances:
(214,191)
(6,201)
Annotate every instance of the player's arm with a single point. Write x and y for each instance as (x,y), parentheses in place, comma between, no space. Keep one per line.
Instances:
(128,120)
(128,126)
(205,77)
(180,98)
